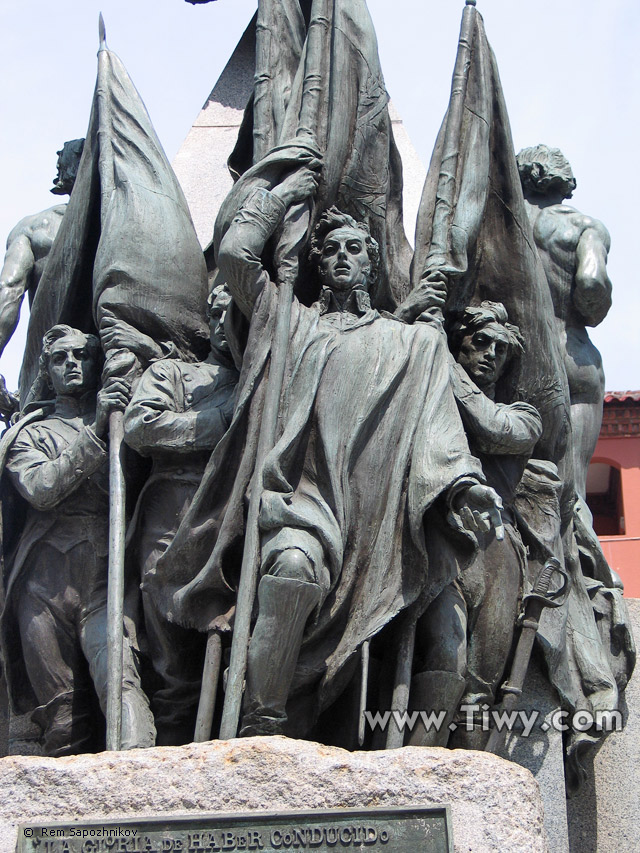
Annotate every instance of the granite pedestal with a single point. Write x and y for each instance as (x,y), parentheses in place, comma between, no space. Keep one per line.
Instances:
(495,804)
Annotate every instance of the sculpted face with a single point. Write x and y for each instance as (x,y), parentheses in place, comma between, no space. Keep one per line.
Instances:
(73,369)
(67,167)
(345,261)
(484,354)
(217,313)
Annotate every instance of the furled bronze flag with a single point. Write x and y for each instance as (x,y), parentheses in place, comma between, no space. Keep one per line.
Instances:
(473,224)
(127,244)
(362,170)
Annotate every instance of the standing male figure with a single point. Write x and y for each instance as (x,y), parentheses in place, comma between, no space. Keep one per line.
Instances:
(465,636)
(573,248)
(370,463)
(178,413)
(30,242)
(54,625)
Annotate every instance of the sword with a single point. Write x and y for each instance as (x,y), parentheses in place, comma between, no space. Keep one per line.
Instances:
(534,603)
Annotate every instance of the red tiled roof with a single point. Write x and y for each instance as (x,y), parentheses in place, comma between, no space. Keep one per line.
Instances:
(622,396)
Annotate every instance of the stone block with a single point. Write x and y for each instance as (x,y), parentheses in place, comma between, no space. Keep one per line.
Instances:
(495,804)
(201,163)
(541,752)
(603,817)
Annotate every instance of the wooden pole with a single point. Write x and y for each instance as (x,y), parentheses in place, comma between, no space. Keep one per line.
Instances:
(251,555)
(364,681)
(117,520)
(400,698)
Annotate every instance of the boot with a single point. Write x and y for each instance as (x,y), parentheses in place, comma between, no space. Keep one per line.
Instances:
(434,691)
(284,605)
(66,724)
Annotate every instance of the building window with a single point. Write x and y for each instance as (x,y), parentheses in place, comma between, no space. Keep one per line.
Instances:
(604,497)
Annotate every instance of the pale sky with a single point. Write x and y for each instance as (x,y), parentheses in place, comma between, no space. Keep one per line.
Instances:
(569,70)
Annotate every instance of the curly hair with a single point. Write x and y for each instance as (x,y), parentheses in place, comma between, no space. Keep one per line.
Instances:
(61,331)
(476,317)
(219,297)
(544,170)
(333,219)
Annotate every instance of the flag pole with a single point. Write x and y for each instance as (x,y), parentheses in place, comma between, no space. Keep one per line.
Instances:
(115,586)
(438,258)
(307,122)
(210,678)
(262,143)
(115,582)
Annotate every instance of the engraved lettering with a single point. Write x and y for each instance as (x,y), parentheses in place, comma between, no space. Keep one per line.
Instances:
(371,835)
(276,838)
(195,840)
(228,840)
(331,835)
(315,837)
(254,840)
(330,831)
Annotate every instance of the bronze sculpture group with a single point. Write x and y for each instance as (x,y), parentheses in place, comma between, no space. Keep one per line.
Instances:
(346,500)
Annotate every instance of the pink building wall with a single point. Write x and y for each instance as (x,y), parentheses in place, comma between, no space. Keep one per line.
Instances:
(619,446)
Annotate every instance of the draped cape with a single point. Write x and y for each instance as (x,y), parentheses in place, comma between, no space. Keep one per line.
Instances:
(364,465)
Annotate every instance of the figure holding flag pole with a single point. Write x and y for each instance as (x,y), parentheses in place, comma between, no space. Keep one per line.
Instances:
(319,30)
(490,257)
(112,270)
(117,486)
(339,555)
(300,560)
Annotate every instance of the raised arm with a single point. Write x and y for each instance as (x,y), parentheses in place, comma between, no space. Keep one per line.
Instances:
(256,221)
(19,262)
(592,290)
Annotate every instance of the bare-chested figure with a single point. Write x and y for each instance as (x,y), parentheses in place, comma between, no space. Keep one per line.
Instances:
(30,242)
(573,248)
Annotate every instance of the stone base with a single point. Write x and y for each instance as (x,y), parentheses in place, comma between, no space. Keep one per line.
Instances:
(542,753)
(603,816)
(495,805)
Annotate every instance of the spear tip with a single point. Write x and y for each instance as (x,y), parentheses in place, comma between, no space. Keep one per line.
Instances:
(102,31)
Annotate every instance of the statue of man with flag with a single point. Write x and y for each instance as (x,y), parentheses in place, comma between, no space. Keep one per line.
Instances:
(126,264)
(54,624)
(336,544)
(346,543)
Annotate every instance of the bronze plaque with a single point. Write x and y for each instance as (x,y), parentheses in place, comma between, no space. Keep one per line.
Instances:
(398,830)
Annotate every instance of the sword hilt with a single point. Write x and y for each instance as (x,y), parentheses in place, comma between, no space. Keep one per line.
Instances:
(542,592)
